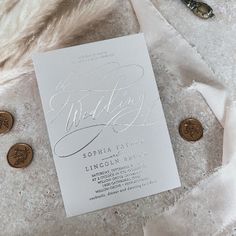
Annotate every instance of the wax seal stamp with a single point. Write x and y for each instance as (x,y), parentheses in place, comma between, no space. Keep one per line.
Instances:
(20,155)
(191,129)
(6,122)
(200,9)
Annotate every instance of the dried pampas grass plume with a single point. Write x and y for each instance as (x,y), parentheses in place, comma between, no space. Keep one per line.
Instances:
(56,24)
(7,6)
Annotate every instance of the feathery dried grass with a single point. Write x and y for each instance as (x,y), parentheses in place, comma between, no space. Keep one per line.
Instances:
(55,25)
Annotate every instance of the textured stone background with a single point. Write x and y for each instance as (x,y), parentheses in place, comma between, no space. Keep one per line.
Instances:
(31,202)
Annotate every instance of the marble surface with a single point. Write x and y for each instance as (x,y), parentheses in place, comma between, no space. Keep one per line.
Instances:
(31,202)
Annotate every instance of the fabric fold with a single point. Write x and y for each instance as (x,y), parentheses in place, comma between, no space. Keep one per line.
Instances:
(211,205)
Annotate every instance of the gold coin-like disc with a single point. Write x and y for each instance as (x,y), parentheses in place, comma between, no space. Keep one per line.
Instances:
(191,129)
(20,155)
(6,122)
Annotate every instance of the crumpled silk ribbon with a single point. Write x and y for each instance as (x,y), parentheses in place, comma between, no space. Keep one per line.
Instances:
(197,212)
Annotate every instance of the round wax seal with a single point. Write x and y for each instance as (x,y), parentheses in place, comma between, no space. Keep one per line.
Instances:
(191,129)
(20,155)
(6,122)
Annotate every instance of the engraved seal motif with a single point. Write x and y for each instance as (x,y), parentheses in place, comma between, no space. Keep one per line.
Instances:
(191,129)
(6,122)
(20,155)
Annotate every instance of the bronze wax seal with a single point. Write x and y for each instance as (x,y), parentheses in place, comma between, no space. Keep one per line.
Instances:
(20,155)
(6,122)
(191,129)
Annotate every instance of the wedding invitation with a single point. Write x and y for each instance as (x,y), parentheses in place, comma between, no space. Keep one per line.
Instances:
(106,125)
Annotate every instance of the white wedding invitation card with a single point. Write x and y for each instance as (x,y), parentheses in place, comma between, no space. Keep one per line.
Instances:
(105,121)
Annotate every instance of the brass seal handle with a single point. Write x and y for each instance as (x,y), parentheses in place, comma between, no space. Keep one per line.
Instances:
(200,9)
